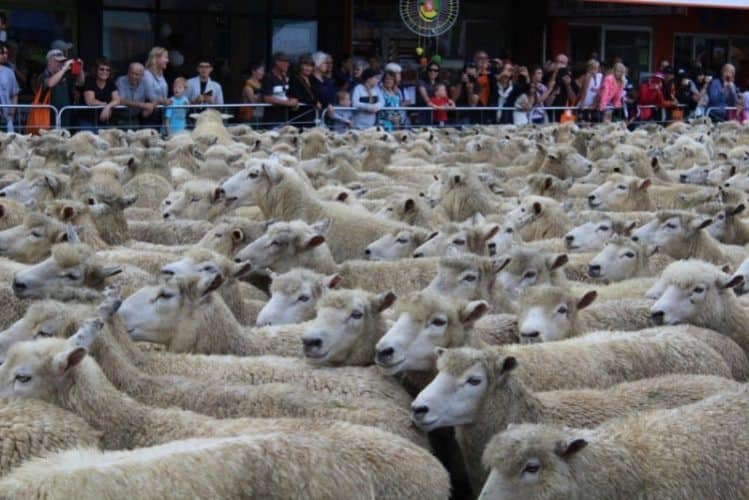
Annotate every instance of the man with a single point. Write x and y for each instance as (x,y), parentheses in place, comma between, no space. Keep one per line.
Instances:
(133,95)
(63,46)
(56,77)
(564,88)
(201,89)
(722,92)
(275,88)
(8,90)
(3,27)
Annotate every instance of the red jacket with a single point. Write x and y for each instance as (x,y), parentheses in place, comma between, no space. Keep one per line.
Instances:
(651,95)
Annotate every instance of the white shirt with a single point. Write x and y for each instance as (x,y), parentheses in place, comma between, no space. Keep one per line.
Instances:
(193,90)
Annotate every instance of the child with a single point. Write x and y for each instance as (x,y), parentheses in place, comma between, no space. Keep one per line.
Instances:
(441,103)
(342,117)
(174,117)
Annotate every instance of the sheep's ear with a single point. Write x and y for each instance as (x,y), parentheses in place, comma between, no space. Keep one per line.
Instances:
(565,449)
(409,205)
(322,226)
(67,212)
(218,193)
(654,164)
(722,156)
(206,288)
(110,271)
(71,234)
(507,364)
(2,210)
(342,196)
(53,182)
(237,235)
(432,235)
(548,183)
(644,185)
(651,250)
(556,261)
(732,172)
(272,172)
(732,282)
(587,299)
(65,360)
(473,311)
(701,223)
(655,291)
(315,241)
(332,281)
(737,209)
(456,179)
(500,262)
(537,207)
(241,269)
(490,231)
(383,301)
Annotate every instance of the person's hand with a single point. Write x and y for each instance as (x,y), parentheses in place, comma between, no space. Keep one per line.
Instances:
(567,80)
(105,114)
(348,123)
(147,109)
(207,99)
(66,66)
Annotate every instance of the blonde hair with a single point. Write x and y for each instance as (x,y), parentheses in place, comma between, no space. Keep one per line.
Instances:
(618,66)
(155,53)
(592,64)
(179,81)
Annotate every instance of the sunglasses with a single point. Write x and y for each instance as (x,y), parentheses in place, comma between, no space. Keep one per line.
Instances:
(434,70)
(106,70)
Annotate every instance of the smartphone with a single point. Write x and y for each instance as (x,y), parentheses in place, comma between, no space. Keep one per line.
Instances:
(210,92)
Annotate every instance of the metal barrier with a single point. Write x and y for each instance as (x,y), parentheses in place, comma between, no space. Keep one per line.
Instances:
(709,112)
(18,121)
(123,117)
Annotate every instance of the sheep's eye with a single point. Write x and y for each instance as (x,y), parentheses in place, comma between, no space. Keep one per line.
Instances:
(671,225)
(522,210)
(699,289)
(603,228)
(23,378)
(470,278)
(275,243)
(357,314)
(532,468)
(721,217)
(529,274)
(622,187)
(473,381)
(390,209)
(219,235)
(42,334)
(194,200)
(167,272)
(509,230)
(208,269)
(36,234)
(459,242)
(303,298)
(167,202)
(91,201)
(71,276)
(562,310)
(439,322)
(165,295)
(402,241)
(629,255)
(252,175)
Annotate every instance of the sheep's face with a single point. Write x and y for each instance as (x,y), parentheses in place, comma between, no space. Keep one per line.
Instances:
(43,322)
(502,240)
(698,174)
(660,232)
(434,246)
(525,271)
(223,239)
(294,297)
(189,205)
(616,262)
(524,213)
(32,190)
(154,313)
(615,194)
(461,282)
(545,324)
(450,399)
(530,461)
(243,187)
(190,267)
(344,323)
(567,164)
(394,246)
(32,241)
(589,236)
(719,227)
(694,300)
(718,175)
(175,202)
(678,304)
(283,245)
(743,271)
(739,181)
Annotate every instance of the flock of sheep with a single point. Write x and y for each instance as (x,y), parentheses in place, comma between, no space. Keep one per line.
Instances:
(501,312)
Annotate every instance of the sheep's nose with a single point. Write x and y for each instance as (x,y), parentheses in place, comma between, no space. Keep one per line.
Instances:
(367,252)
(533,334)
(2,194)
(312,343)
(18,286)
(418,255)
(492,248)
(569,238)
(237,260)
(592,197)
(166,216)
(594,270)
(419,412)
(383,355)
(683,178)
(657,317)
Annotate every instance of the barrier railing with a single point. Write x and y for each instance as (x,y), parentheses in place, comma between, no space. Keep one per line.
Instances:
(711,113)
(17,122)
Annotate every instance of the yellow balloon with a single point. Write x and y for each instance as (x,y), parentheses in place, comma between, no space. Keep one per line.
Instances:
(419,51)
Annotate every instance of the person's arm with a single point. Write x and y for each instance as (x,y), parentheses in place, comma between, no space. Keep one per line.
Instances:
(715,92)
(422,90)
(55,79)
(605,91)
(218,94)
(356,96)
(584,87)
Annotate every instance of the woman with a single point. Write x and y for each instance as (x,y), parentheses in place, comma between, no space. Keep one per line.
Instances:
(154,84)
(251,92)
(590,87)
(466,94)
(300,88)
(542,93)
(524,99)
(612,93)
(425,90)
(100,90)
(702,80)
(367,99)
(323,86)
(390,119)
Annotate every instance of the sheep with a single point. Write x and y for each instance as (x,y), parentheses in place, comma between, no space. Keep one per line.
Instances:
(651,455)
(624,259)
(565,162)
(537,218)
(275,465)
(196,199)
(32,428)
(400,277)
(727,227)
(210,129)
(621,193)
(593,234)
(700,293)
(462,195)
(107,202)
(400,244)
(409,209)
(681,235)
(470,277)
(149,188)
(79,215)
(11,214)
(37,186)
(286,245)
(527,267)
(294,296)
(281,193)
(172,232)
(547,185)
(474,235)
(477,392)
(31,241)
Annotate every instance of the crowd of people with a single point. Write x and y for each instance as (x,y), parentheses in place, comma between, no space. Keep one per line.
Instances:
(360,94)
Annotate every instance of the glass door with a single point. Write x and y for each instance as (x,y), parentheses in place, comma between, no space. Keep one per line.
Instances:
(632,45)
(584,43)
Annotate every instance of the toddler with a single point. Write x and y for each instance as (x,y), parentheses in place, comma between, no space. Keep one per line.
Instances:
(342,117)
(174,117)
(441,103)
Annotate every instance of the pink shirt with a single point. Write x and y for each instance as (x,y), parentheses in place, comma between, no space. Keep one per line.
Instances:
(610,92)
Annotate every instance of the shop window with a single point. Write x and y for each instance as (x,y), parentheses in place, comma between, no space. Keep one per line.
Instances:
(294,37)
(132,4)
(683,52)
(126,37)
(632,46)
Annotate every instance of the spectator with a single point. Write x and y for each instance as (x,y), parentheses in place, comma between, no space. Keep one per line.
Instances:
(252,92)
(322,84)
(275,91)
(397,72)
(425,90)
(3,27)
(441,103)
(589,93)
(651,100)
(18,67)
(57,78)
(154,84)
(8,90)
(300,87)
(99,90)
(342,118)
(367,99)
(523,100)
(390,119)
(358,67)
(133,94)
(175,116)
(63,46)
(722,93)
(504,90)
(201,89)
(542,93)
(465,93)
(702,82)
(687,92)
(611,94)
(564,89)
(483,76)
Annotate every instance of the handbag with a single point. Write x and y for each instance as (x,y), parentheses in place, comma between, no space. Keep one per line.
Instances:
(39,118)
(567,116)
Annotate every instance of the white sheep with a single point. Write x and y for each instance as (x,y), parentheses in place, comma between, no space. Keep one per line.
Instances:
(294,296)
(400,244)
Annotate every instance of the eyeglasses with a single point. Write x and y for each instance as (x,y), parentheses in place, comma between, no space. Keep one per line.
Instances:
(434,70)
(105,70)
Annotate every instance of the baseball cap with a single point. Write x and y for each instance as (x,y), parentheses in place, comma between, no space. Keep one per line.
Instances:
(280,56)
(56,54)
(61,45)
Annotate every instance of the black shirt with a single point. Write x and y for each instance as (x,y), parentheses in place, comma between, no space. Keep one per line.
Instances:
(277,87)
(100,94)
